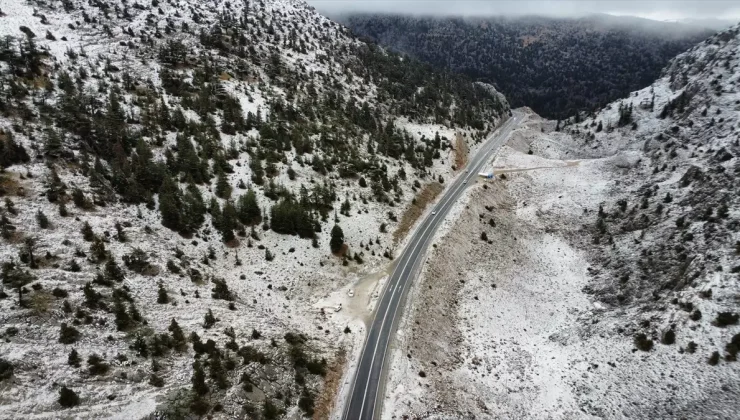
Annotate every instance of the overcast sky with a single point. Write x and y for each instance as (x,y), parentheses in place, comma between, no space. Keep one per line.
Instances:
(651,9)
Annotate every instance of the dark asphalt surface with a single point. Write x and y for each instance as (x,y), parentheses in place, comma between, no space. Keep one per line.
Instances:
(366,396)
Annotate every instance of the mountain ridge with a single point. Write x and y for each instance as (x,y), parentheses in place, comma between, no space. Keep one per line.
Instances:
(555,66)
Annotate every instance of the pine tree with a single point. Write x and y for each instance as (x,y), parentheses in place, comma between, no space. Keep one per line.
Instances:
(248,209)
(42,220)
(78,198)
(67,334)
(113,271)
(27,254)
(221,290)
(337,239)
(92,297)
(194,209)
(120,233)
(625,114)
(98,253)
(87,232)
(178,337)
(53,143)
(217,372)
(223,188)
(16,278)
(170,204)
(345,207)
(73,359)
(96,365)
(123,320)
(134,313)
(68,398)
(6,227)
(156,380)
(146,172)
(228,222)
(209,320)
(57,189)
(162,297)
(292,218)
(215,209)
(188,161)
(11,152)
(199,379)
(141,347)
(258,172)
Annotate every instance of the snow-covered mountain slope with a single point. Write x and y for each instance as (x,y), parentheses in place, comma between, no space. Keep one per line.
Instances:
(680,138)
(173,171)
(597,277)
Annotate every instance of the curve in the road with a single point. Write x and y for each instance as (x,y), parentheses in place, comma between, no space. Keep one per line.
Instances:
(363,401)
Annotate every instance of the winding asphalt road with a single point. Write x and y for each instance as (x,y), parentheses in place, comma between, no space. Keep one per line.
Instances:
(366,396)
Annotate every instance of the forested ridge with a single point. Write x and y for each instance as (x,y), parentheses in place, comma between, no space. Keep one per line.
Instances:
(555,66)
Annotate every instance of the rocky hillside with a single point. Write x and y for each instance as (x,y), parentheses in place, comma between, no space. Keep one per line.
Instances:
(554,66)
(183,183)
(678,223)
